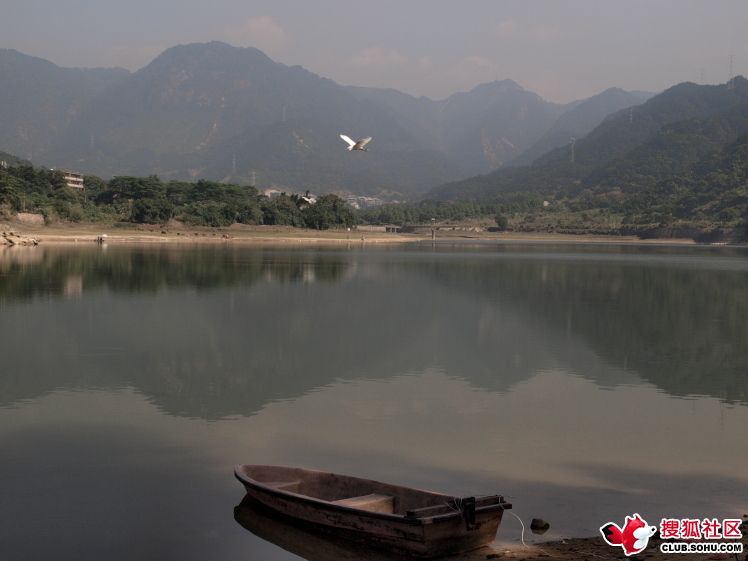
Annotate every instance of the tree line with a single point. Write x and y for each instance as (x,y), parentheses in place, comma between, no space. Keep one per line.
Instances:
(709,198)
(150,200)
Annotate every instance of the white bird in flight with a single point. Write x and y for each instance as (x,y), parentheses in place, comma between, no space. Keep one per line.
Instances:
(359,145)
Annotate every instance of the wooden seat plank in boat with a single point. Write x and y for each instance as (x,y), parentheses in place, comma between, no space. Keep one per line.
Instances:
(372,502)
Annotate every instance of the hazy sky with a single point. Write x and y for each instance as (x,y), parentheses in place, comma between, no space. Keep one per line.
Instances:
(561,49)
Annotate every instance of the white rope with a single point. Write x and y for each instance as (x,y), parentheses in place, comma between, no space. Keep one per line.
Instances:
(522,536)
(522,539)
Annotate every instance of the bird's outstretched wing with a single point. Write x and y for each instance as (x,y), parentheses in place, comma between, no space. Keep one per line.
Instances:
(348,140)
(364,141)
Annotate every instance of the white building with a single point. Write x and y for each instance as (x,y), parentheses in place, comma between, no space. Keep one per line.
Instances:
(73,179)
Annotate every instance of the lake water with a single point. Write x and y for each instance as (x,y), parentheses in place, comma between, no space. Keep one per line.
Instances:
(582,382)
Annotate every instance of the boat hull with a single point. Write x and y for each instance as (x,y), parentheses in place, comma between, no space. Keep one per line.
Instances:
(429,536)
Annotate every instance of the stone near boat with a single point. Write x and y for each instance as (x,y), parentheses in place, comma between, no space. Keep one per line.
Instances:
(539,526)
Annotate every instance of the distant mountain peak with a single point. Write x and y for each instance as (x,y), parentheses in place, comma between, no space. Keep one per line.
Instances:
(613,90)
(196,53)
(498,87)
(505,84)
(215,46)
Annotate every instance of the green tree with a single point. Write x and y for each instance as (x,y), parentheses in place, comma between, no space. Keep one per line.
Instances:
(10,190)
(282,210)
(501,221)
(154,210)
(329,211)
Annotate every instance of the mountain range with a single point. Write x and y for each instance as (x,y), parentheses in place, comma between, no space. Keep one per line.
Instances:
(672,141)
(210,110)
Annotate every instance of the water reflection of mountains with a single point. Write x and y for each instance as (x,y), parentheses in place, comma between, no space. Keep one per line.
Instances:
(682,326)
(234,337)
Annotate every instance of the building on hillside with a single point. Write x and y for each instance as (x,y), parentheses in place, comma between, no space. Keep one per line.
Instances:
(73,179)
(359,202)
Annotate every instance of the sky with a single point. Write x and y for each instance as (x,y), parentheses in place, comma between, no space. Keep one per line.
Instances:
(560,49)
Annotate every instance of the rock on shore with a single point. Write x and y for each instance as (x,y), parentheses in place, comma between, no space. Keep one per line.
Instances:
(13,238)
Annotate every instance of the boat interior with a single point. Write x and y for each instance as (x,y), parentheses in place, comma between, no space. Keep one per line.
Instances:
(358,493)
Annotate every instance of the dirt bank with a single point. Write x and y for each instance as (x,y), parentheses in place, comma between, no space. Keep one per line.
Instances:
(91,233)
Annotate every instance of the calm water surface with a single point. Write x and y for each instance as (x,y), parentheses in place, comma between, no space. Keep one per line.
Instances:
(582,382)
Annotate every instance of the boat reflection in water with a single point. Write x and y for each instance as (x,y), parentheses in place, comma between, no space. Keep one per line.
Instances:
(308,542)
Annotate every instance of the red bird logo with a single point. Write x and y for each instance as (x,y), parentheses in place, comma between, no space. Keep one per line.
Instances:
(633,537)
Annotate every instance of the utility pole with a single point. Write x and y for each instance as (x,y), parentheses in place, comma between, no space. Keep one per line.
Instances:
(730,80)
(573,141)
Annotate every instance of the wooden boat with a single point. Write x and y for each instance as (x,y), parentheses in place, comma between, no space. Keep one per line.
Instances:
(401,519)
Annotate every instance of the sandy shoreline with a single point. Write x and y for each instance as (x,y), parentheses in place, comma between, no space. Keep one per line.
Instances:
(590,549)
(285,235)
(80,234)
